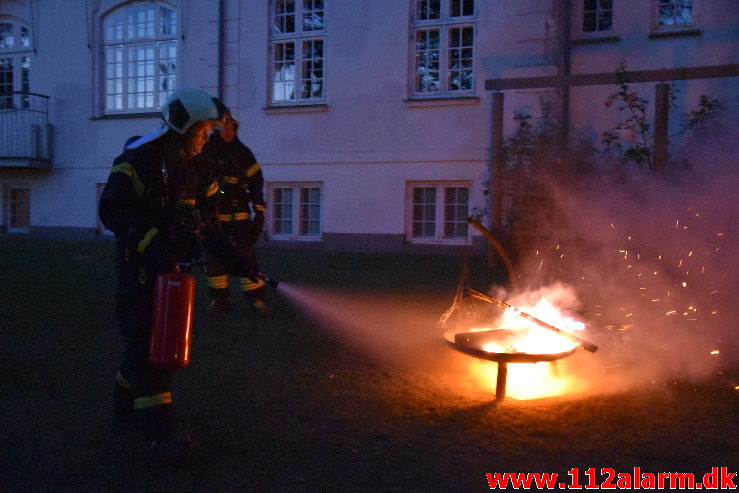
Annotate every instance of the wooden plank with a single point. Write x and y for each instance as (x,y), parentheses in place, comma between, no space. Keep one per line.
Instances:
(605,78)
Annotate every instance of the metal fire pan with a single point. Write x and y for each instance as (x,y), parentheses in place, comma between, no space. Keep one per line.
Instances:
(471,343)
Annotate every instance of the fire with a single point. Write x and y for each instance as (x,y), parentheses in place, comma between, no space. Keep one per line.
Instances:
(529,380)
(526,381)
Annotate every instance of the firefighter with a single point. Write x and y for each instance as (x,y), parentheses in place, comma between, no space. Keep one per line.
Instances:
(240,213)
(150,203)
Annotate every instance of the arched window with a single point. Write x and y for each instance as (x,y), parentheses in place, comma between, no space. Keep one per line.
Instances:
(139,56)
(15,62)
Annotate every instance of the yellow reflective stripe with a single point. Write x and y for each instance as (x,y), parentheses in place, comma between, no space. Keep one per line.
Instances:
(152,400)
(123,382)
(241,216)
(218,282)
(225,218)
(124,168)
(129,171)
(248,285)
(231,180)
(147,239)
(259,208)
(212,189)
(253,169)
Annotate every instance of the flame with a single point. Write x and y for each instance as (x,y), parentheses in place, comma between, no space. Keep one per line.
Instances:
(526,381)
(531,380)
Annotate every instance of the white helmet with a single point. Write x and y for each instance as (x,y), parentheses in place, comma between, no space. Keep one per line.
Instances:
(187,106)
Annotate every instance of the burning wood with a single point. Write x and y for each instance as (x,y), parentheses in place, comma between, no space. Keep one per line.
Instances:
(588,346)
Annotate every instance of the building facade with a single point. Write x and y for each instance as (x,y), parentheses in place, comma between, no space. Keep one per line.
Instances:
(370,118)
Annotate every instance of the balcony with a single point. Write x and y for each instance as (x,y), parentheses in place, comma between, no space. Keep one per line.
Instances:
(25,131)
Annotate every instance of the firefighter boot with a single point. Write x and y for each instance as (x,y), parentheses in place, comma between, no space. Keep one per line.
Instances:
(256,300)
(220,303)
(167,445)
(123,411)
(176,448)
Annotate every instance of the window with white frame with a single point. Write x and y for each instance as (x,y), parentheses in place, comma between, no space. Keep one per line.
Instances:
(438,212)
(140,46)
(295,210)
(17,210)
(298,44)
(673,14)
(444,38)
(597,16)
(15,63)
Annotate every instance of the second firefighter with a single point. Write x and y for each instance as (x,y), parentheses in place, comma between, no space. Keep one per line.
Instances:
(240,210)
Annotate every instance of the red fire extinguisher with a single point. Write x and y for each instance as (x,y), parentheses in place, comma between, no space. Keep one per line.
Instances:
(174,295)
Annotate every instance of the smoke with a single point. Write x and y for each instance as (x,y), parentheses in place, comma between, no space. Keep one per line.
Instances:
(647,262)
(651,261)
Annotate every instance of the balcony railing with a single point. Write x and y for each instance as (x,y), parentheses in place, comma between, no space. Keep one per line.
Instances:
(25,132)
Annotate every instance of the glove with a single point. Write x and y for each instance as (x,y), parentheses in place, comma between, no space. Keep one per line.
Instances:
(258,223)
(154,252)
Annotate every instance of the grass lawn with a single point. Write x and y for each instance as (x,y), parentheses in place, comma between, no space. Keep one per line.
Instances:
(346,388)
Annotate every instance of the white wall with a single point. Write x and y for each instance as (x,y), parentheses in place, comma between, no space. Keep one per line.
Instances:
(369,139)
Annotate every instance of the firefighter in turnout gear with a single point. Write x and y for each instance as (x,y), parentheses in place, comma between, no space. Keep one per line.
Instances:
(240,212)
(151,202)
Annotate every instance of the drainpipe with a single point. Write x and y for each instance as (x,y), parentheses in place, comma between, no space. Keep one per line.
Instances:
(566,66)
(221,46)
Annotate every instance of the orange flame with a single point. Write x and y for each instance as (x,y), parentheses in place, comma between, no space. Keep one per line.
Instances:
(531,380)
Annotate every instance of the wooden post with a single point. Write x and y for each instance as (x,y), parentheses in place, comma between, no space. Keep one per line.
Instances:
(496,164)
(661,117)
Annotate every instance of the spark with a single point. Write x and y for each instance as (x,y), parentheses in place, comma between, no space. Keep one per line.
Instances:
(715,351)
(612,226)
(671,312)
(691,253)
(685,284)
(719,234)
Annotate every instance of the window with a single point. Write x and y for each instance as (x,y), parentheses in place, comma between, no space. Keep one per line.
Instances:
(597,16)
(298,51)
(139,57)
(674,13)
(17,199)
(443,33)
(15,63)
(438,212)
(295,211)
